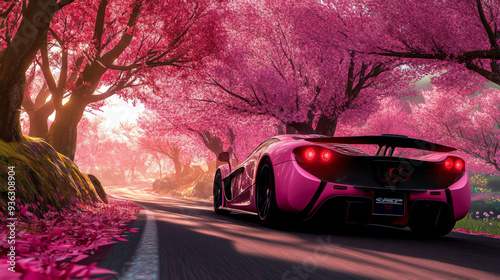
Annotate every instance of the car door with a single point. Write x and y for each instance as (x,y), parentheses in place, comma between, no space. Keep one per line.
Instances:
(243,176)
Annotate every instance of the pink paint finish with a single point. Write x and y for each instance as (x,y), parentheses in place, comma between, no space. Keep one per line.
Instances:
(461,195)
(295,188)
(297,191)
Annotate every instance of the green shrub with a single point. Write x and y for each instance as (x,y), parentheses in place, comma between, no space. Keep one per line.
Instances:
(488,223)
(478,183)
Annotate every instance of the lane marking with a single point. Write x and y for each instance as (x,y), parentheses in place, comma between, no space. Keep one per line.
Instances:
(145,262)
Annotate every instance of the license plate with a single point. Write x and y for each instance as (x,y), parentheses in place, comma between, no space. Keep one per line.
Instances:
(389,203)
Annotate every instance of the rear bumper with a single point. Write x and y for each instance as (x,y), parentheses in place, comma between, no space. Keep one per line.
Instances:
(300,193)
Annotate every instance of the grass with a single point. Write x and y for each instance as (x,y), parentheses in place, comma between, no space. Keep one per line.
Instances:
(480,223)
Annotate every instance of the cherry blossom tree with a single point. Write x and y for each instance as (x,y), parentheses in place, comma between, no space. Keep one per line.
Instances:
(114,154)
(175,148)
(23,27)
(210,128)
(295,62)
(457,37)
(470,123)
(97,49)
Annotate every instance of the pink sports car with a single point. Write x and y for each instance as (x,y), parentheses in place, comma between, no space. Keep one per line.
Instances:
(313,175)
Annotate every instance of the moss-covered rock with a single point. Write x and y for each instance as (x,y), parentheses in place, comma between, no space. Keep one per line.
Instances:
(44,179)
(98,187)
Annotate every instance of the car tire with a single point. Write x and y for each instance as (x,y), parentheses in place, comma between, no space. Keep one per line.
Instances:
(218,194)
(267,209)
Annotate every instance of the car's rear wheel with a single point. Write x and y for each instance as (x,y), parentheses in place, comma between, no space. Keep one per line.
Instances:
(218,194)
(266,195)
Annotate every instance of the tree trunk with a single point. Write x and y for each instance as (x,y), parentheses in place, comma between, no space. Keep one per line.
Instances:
(15,60)
(11,98)
(300,127)
(326,126)
(159,162)
(39,121)
(63,131)
(286,129)
(176,158)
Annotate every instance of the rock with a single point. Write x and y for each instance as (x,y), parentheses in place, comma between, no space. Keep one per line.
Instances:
(98,187)
(43,180)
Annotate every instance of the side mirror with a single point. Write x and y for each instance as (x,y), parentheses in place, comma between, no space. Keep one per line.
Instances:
(224,157)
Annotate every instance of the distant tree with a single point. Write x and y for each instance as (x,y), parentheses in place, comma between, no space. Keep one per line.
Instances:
(211,129)
(174,148)
(113,154)
(393,117)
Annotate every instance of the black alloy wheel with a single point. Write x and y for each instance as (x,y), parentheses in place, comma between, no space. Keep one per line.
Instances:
(266,195)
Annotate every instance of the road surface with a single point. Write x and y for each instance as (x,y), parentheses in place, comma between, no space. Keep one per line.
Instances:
(195,243)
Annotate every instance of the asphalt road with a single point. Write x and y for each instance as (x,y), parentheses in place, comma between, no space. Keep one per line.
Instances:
(195,243)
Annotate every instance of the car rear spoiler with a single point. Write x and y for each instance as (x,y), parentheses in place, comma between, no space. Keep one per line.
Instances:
(386,140)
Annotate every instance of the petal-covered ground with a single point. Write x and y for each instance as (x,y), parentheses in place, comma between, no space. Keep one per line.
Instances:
(480,233)
(48,248)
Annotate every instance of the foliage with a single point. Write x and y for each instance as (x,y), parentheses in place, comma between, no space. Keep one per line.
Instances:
(494,183)
(489,225)
(112,154)
(454,38)
(484,206)
(295,63)
(478,184)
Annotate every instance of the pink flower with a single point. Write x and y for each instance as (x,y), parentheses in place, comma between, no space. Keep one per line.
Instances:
(490,224)
(486,214)
(491,212)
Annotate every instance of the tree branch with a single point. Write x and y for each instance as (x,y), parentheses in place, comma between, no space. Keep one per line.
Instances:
(99,25)
(487,27)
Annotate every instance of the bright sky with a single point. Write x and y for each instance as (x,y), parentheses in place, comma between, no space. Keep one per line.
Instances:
(117,111)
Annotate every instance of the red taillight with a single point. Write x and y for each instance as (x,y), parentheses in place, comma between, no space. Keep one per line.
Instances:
(326,155)
(459,164)
(454,163)
(448,163)
(310,154)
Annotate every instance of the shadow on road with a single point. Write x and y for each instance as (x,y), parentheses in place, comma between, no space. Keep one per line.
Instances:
(195,243)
